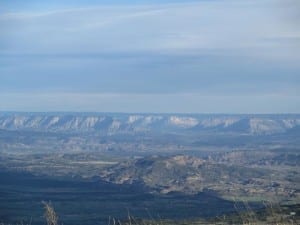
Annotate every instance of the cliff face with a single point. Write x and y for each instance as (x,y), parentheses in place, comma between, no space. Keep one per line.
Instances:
(114,123)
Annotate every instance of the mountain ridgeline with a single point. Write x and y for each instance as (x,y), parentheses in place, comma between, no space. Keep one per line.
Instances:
(113,123)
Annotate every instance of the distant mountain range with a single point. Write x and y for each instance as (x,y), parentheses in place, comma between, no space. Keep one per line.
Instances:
(117,123)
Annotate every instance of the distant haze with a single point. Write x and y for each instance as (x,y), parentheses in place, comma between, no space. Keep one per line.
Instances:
(150,56)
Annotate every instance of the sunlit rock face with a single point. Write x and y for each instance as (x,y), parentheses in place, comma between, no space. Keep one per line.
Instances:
(114,123)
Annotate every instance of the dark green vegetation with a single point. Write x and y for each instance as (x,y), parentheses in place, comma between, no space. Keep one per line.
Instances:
(92,202)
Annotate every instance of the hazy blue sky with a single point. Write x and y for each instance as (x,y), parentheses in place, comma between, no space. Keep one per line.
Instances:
(220,56)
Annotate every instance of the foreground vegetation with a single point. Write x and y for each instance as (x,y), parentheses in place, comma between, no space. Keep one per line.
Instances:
(272,214)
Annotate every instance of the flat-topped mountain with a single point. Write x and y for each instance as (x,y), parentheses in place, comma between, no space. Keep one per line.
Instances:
(114,123)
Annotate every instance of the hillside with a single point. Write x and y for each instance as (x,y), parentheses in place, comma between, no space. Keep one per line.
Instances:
(192,175)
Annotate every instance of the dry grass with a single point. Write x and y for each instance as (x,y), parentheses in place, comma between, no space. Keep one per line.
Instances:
(245,216)
(50,214)
(273,215)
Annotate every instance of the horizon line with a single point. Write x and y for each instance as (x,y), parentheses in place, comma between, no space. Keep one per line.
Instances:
(145,113)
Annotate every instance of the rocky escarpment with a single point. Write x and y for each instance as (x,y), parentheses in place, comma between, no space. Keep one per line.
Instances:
(114,123)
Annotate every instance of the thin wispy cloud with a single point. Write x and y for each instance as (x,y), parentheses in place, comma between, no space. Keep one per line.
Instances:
(183,27)
(208,48)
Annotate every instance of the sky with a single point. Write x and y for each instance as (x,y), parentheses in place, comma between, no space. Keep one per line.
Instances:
(163,56)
